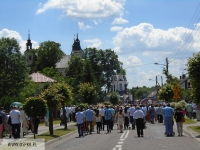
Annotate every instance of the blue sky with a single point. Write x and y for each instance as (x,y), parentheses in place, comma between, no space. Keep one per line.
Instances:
(141,32)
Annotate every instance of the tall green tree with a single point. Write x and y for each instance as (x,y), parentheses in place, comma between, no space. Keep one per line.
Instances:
(111,66)
(193,67)
(66,99)
(87,93)
(88,73)
(74,72)
(166,93)
(114,98)
(47,55)
(53,102)
(14,71)
(35,106)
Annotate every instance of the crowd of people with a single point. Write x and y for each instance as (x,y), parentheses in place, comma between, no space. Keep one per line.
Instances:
(130,117)
(16,121)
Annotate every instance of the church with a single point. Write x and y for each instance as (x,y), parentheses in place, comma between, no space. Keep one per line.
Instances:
(63,63)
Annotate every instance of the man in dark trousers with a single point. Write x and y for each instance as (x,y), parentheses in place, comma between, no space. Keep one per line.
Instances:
(138,117)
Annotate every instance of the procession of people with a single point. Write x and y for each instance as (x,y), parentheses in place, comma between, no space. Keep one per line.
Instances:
(129,117)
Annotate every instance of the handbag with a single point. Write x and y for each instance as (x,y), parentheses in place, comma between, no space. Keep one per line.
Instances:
(183,119)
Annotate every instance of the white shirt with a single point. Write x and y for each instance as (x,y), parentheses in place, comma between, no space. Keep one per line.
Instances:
(67,111)
(73,109)
(138,114)
(79,117)
(102,112)
(131,110)
(15,115)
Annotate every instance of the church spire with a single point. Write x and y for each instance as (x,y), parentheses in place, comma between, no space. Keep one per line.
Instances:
(28,44)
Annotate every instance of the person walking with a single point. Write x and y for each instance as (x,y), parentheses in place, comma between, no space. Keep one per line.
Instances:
(159,114)
(138,117)
(89,117)
(168,113)
(102,113)
(178,117)
(152,114)
(3,123)
(15,121)
(120,120)
(108,117)
(189,109)
(126,118)
(98,121)
(80,122)
(131,111)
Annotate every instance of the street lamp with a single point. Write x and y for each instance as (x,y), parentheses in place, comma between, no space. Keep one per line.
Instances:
(167,63)
(157,83)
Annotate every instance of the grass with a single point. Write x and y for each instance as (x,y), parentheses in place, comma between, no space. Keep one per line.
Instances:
(189,121)
(195,128)
(54,123)
(56,134)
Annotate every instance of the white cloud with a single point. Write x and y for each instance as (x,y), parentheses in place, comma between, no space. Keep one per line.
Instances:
(13,34)
(145,38)
(95,43)
(119,21)
(85,8)
(82,26)
(95,22)
(116,29)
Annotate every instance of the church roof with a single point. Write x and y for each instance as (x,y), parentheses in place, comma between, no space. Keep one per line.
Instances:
(76,45)
(63,63)
(40,78)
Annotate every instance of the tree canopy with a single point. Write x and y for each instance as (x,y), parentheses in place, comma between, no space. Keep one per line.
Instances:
(14,70)
(193,67)
(47,55)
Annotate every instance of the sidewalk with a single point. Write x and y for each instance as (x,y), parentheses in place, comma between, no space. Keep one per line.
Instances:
(43,129)
(191,132)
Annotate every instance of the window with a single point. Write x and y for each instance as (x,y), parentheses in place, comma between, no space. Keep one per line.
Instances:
(29,57)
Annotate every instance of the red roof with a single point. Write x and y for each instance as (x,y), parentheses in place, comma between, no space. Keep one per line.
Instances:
(38,77)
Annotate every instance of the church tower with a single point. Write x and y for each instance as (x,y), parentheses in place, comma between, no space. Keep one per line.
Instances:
(28,53)
(76,48)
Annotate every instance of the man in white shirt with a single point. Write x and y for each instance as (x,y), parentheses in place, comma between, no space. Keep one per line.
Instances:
(102,113)
(138,117)
(80,122)
(15,121)
(131,111)
(73,112)
(67,112)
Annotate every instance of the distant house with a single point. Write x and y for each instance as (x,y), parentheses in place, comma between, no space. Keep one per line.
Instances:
(40,78)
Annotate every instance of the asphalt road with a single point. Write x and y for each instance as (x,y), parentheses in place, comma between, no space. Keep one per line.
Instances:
(153,139)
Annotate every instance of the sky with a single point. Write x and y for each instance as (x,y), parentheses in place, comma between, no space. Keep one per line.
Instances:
(141,32)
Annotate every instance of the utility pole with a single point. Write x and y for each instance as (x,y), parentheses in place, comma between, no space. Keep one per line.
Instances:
(156,89)
(167,63)
(161,81)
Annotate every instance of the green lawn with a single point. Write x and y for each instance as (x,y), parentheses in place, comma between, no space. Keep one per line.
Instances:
(189,121)
(195,128)
(56,134)
(54,122)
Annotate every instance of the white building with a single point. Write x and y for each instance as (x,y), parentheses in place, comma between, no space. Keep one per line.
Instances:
(120,86)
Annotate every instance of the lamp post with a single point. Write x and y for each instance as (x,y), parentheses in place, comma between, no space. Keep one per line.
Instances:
(166,65)
(157,83)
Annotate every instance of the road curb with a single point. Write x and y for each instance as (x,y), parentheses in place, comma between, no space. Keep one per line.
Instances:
(60,138)
(190,134)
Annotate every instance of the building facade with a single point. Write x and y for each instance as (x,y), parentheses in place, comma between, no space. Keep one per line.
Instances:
(120,84)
